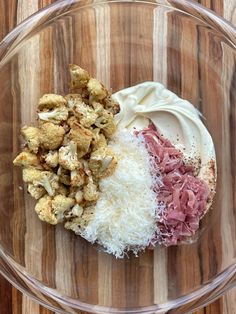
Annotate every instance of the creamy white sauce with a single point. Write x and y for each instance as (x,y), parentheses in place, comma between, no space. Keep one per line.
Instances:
(177,119)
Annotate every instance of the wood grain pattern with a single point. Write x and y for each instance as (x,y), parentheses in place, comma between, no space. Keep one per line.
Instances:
(14,11)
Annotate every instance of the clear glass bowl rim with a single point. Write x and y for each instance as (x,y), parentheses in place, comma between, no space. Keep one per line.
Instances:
(7,49)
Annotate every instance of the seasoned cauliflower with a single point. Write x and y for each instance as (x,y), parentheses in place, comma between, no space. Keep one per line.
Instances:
(36,191)
(85,114)
(99,140)
(51,158)
(60,205)
(77,177)
(48,180)
(44,210)
(31,174)
(73,100)
(112,105)
(68,157)
(27,159)
(55,116)
(64,175)
(96,89)
(51,101)
(102,162)
(79,77)
(107,124)
(90,191)
(31,135)
(82,137)
(75,224)
(51,135)
(51,209)
(76,211)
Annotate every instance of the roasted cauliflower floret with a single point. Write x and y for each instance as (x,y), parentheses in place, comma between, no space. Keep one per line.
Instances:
(68,157)
(36,191)
(51,135)
(60,205)
(51,101)
(79,77)
(97,89)
(85,114)
(112,105)
(90,191)
(77,224)
(73,100)
(55,116)
(32,137)
(77,177)
(107,124)
(46,179)
(64,175)
(99,140)
(44,210)
(51,209)
(76,211)
(26,159)
(51,158)
(82,137)
(102,162)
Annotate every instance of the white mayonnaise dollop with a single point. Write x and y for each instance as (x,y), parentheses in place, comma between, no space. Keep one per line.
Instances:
(176,119)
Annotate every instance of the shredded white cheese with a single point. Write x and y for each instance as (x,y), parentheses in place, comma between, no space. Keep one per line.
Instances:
(125,212)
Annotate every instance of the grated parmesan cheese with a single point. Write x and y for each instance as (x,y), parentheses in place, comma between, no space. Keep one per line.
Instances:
(125,213)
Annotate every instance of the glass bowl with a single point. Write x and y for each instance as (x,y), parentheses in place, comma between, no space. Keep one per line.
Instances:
(178,43)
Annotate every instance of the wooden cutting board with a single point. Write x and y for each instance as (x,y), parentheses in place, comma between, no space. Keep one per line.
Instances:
(11,13)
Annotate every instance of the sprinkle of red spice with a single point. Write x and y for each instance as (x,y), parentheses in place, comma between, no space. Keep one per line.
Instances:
(181,196)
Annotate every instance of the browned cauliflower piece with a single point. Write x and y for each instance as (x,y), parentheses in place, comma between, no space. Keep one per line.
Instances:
(112,105)
(102,162)
(77,224)
(107,124)
(97,89)
(99,139)
(79,77)
(90,191)
(64,175)
(77,194)
(44,210)
(55,116)
(32,137)
(51,135)
(73,100)
(82,137)
(51,101)
(76,211)
(26,159)
(36,191)
(77,177)
(51,158)
(51,209)
(68,157)
(85,114)
(46,179)
(60,205)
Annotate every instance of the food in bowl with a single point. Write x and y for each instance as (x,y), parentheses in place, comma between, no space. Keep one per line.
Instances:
(127,171)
